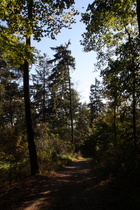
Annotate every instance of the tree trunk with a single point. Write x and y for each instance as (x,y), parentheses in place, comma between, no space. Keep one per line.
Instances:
(134,109)
(133,97)
(30,132)
(71,115)
(115,133)
(44,94)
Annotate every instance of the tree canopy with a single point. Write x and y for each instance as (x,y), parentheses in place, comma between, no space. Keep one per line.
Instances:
(107,23)
(21,19)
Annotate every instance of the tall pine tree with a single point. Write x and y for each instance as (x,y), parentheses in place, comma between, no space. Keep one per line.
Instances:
(60,87)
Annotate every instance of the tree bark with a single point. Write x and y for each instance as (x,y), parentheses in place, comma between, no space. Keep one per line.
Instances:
(71,114)
(44,94)
(30,132)
(134,109)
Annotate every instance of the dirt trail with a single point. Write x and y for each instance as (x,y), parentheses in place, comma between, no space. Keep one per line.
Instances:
(73,188)
(69,189)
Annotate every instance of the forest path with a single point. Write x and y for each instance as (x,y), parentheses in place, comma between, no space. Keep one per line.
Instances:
(75,187)
(69,189)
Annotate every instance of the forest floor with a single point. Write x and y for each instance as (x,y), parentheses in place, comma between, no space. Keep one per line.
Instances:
(75,187)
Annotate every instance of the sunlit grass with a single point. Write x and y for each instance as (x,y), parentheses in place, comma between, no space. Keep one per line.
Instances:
(11,172)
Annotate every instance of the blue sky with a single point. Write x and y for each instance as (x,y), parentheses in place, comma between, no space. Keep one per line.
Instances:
(84,74)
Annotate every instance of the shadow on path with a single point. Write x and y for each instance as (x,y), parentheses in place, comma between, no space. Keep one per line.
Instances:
(73,188)
(68,189)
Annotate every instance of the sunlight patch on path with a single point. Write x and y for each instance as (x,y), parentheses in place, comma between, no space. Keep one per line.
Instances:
(34,205)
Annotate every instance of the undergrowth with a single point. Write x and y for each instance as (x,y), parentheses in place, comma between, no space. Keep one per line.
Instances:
(12,172)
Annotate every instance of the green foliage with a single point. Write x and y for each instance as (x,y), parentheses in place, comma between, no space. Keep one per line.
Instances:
(115,140)
(50,148)
(82,129)
(96,105)
(40,90)
(60,90)
(111,30)
(107,23)
(21,19)
(44,14)
(112,156)
(12,172)
(12,50)
(13,144)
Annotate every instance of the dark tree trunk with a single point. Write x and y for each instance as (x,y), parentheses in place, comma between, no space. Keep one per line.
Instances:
(44,94)
(115,133)
(30,133)
(133,97)
(134,109)
(138,14)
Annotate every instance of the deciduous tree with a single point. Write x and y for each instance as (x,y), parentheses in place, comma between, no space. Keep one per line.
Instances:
(107,22)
